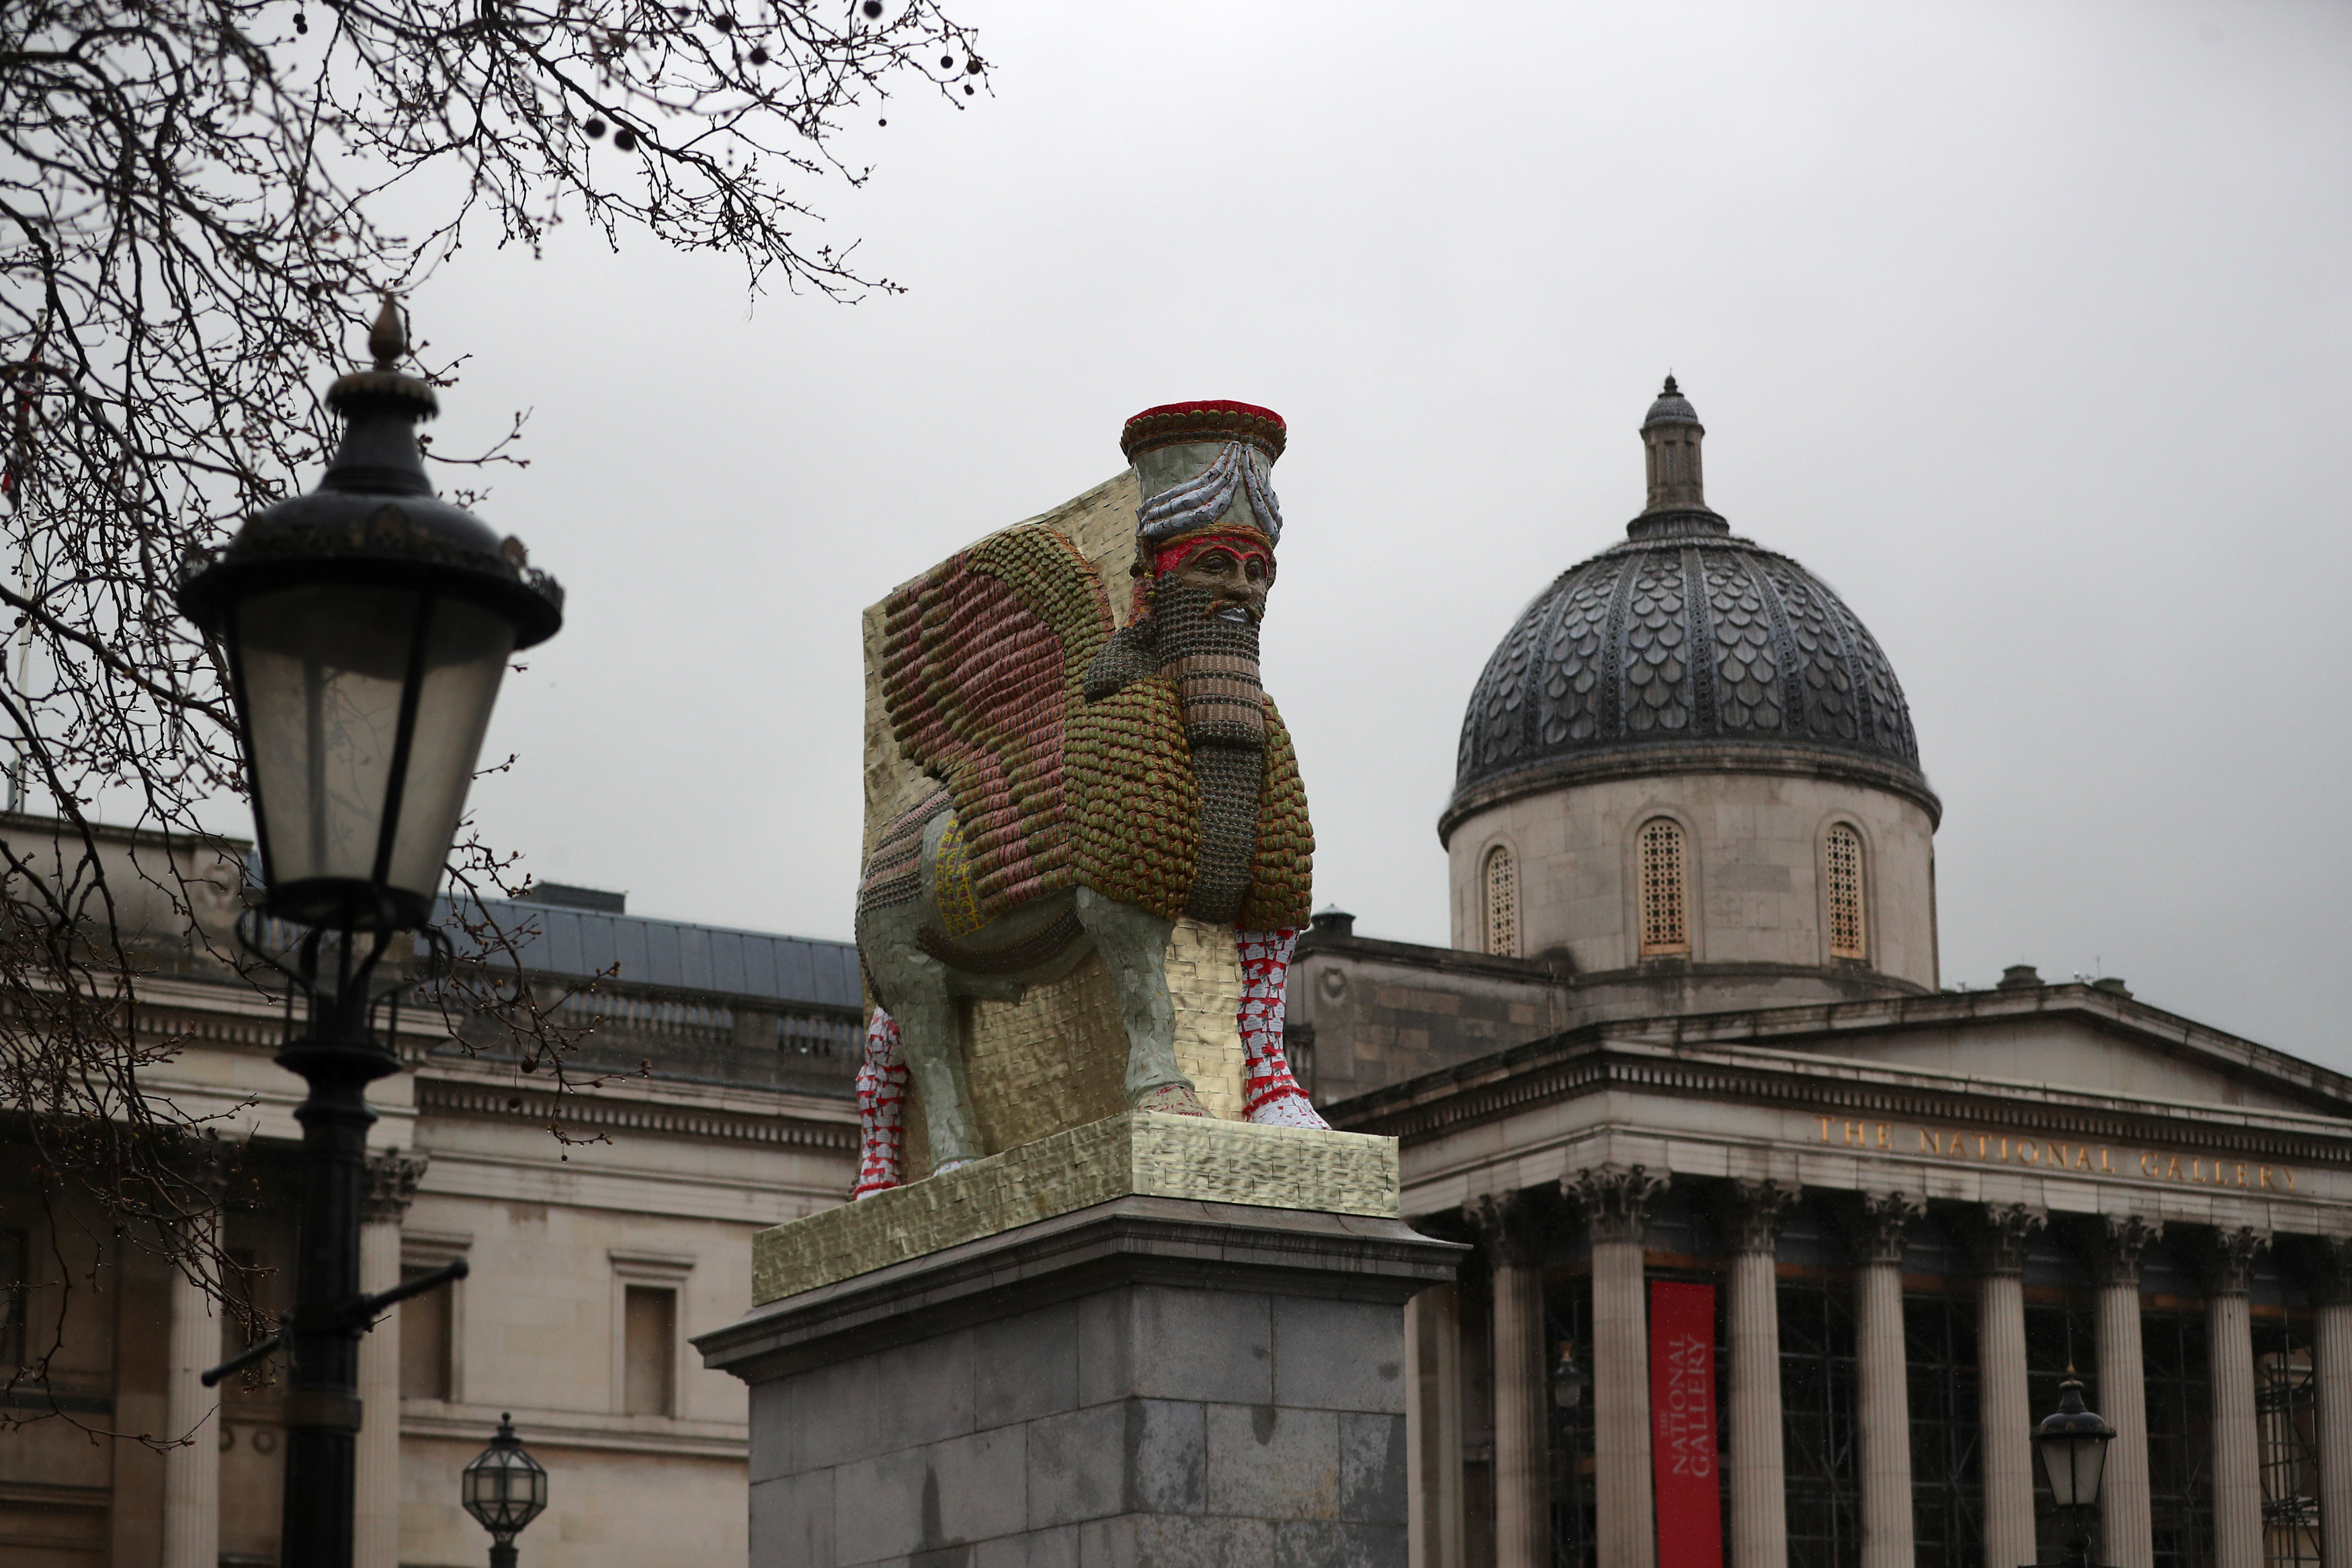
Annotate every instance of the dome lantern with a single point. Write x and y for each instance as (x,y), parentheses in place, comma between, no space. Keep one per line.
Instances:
(1671,435)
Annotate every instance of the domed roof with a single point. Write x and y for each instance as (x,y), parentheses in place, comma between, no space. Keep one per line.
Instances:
(1672,408)
(1684,647)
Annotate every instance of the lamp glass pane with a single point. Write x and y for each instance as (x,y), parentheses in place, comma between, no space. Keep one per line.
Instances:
(2074,1465)
(2059,1464)
(465,653)
(504,1489)
(322,668)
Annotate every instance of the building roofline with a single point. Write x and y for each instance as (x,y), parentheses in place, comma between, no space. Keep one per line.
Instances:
(228,844)
(1421,956)
(601,936)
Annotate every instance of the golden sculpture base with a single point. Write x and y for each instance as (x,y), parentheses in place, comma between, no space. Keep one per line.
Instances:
(1141,1153)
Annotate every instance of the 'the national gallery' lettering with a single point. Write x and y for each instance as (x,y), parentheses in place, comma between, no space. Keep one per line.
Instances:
(2055,1154)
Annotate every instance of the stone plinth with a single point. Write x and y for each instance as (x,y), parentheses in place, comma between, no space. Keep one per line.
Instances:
(1138,1152)
(1144,1380)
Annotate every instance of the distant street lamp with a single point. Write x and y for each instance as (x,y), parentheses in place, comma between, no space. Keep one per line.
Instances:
(1569,1381)
(365,627)
(504,1489)
(2074,1444)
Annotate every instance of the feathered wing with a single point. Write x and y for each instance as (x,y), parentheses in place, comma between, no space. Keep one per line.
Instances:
(983,657)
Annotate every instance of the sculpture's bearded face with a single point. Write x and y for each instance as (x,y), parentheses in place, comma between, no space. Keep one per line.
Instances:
(1208,596)
(1235,570)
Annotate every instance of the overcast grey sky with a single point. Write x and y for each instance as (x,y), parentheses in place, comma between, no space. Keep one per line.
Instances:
(2024,325)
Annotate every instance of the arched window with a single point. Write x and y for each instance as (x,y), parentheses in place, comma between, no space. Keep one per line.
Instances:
(1665,925)
(1502,903)
(1844,855)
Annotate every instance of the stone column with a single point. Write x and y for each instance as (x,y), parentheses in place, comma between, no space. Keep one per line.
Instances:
(1883,1379)
(2124,1510)
(2229,1261)
(1432,1337)
(1759,1510)
(1616,1203)
(2004,1405)
(1508,1231)
(192,1411)
(375,1509)
(2331,1296)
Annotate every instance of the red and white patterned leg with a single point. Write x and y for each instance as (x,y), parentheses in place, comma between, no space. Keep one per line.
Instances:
(1272,1097)
(881,1101)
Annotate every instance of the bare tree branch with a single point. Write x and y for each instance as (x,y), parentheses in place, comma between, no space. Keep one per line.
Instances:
(190,235)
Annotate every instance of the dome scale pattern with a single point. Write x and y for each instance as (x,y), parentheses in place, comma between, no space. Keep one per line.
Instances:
(1690,638)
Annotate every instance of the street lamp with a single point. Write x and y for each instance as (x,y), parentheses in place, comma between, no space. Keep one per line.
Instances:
(2074,1444)
(365,627)
(504,1489)
(1569,1381)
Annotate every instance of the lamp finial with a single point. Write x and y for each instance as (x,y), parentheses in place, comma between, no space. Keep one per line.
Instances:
(388,339)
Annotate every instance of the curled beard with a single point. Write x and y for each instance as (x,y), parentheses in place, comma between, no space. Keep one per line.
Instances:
(1213,664)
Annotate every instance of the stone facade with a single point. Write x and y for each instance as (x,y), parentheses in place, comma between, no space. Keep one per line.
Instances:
(2213,1174)
(1364,1014)
(1912,1210)
(1756,892)
(742,1117)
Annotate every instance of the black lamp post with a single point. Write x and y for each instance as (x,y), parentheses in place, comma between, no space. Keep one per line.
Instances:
(504,1489)
(365,627)
(2074,1444)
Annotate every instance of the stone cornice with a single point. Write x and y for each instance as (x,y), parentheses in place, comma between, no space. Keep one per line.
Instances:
(1602,1058)
(796,1121)
(1858,983)
(228,1013)
(1653,759)
(642,1435)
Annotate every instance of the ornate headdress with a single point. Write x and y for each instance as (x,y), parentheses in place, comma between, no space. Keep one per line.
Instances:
(1196,460)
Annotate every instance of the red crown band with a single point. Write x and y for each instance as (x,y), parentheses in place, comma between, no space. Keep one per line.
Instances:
(1172,424)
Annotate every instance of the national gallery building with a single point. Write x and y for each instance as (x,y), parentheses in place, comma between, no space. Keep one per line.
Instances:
(1781,1248)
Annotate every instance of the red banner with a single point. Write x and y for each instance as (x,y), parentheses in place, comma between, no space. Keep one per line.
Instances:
(1682,1426)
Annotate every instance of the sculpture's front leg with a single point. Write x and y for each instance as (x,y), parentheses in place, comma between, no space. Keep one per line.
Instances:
(1272,1097)
(1133,945)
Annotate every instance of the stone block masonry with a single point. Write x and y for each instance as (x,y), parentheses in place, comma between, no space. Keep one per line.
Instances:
(1147,1383)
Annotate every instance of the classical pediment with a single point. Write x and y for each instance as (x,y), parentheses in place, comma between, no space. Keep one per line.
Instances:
(2063,1037)
(1900,1077)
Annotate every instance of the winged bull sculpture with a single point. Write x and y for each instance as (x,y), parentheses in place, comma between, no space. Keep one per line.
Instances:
(1093,784)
